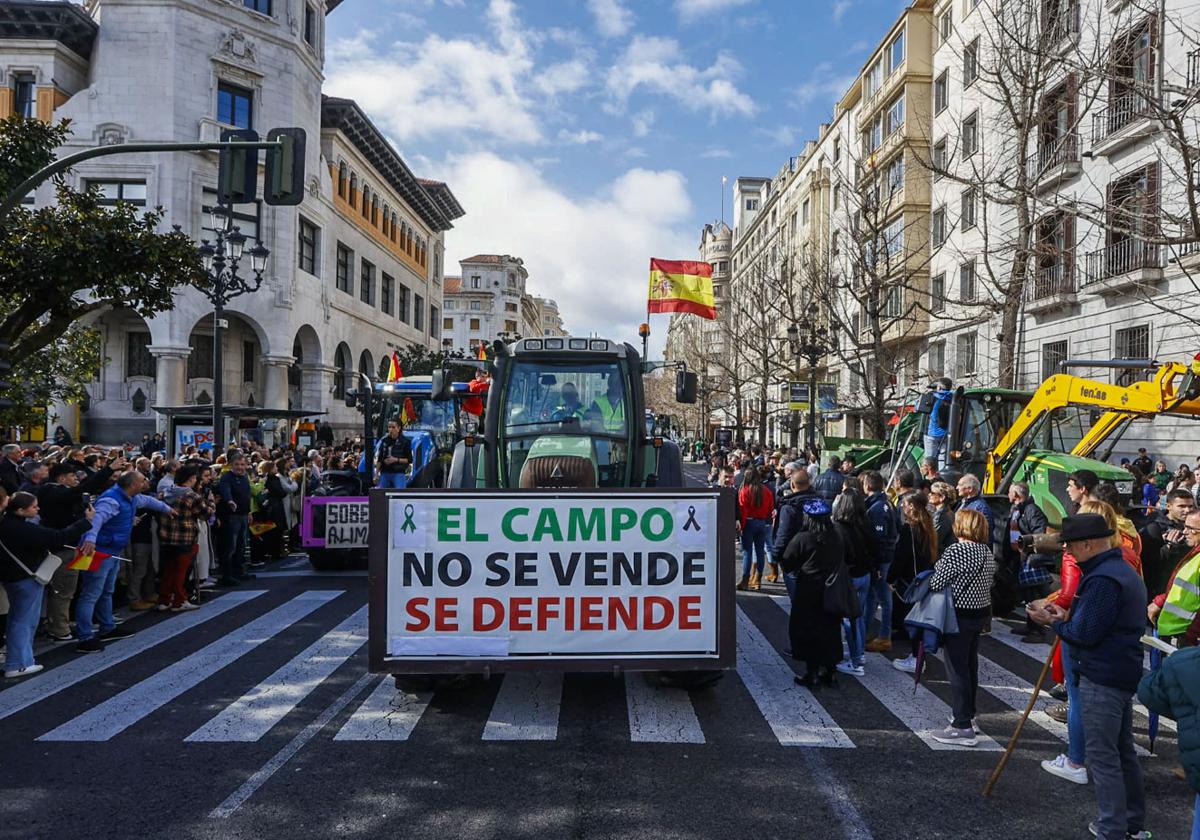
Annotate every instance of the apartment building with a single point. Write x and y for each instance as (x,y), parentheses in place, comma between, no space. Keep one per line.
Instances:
(354,271)
(1103,181)
(490,300)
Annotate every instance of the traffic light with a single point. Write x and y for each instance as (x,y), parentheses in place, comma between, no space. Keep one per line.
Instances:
(237,170)
(5,368)
(284,182)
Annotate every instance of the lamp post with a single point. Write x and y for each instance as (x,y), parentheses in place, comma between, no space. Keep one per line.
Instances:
(221,261)
(811,344)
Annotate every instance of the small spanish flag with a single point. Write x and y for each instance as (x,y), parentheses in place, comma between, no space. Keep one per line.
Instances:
(681,286)
(409,412)
(482,352)
(259,528)
(87,562)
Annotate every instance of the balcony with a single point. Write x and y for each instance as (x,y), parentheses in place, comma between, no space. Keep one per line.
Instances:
(1122,266)
(1126,120)
(1055,162)
(1053,286)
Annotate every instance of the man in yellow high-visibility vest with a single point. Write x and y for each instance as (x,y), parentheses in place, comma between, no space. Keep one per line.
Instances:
(611,406)
(1177,612)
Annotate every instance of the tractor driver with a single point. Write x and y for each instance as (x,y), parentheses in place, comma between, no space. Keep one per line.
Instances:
(393,455)
(611,406)
(570,405)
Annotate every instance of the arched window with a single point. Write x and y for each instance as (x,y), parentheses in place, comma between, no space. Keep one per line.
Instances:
(386,219)
(375,209)
(353,197)
(365,364)
(395,223)
(342,376)
(343,187)
(366,203)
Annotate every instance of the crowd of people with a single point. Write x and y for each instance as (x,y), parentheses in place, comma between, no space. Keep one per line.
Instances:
(130,526)
(1116,568)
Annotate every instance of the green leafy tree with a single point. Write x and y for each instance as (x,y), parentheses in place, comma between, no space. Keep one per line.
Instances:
(418,360)
(61,263)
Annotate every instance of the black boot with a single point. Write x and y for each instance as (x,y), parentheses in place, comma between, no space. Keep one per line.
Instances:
(828,677)
(809,681)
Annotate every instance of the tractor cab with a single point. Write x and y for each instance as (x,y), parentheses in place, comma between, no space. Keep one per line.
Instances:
(568,412)
(433,423)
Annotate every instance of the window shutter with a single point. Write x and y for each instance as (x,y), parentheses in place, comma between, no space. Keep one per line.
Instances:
(1068,256)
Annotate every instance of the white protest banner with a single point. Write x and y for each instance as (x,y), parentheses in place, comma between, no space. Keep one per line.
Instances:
(540,575)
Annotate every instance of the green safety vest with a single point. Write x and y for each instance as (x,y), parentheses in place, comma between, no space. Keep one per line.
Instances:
(1183,600)
(570,412)
(613,415)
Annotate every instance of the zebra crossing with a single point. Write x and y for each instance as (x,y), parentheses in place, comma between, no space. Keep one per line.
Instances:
(522,706)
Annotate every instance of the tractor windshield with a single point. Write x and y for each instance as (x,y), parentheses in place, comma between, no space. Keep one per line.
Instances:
(549,397)
(573,408)
(416,413)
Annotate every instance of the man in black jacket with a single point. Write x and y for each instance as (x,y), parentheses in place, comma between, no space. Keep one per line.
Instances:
(1033,576)
(11,476)
(60,504)
(1163,545)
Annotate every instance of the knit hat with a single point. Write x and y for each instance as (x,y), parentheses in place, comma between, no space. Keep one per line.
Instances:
(817,507)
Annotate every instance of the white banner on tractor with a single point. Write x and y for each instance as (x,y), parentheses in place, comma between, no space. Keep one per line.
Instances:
(545,575)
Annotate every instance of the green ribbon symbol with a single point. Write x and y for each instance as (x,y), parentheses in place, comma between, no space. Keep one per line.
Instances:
(408,525)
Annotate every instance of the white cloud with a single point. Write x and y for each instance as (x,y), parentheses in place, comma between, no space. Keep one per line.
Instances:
(784,135)
(440,86)
(612,19)
(690,10)
(840,7)
(642,121)
(590,254)
(579,138)
(657,65)
(566,77)
(716,153)
(822,84)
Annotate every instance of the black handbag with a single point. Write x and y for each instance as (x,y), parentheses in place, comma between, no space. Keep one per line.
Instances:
(839,598)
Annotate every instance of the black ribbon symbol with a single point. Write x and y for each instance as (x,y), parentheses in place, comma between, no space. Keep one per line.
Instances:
(408,524)
(691,520)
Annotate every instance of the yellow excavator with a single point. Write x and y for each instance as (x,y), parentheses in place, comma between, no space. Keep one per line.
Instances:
(1047,422)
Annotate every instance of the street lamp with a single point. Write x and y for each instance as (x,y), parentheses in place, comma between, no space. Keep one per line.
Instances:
(811,344)
(221,261)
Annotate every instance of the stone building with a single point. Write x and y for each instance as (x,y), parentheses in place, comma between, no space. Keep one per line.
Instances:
(490,300)
(354,271)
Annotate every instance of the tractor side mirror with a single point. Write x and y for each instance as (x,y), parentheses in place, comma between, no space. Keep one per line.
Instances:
(351,399)
(440,385)
(686,387)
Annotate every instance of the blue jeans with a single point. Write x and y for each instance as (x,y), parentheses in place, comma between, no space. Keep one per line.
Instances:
(95,599)
(1196,820)
(397,480)
(857,641)
(1112,759)
(1076,750)
(880,596)
(754,541)
(935,447)
(24,609)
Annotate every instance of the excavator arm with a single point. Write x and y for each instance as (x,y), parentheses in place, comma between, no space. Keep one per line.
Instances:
(1175,388)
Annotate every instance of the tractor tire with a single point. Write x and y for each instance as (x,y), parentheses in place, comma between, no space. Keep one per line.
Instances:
(326,561)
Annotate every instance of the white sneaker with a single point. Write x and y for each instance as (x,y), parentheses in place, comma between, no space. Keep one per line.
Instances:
(1062,768)
(957,737)
(162,607)
(848,667)
(208,583)
(974,724)
(27,671)
(908,664)
(185,606)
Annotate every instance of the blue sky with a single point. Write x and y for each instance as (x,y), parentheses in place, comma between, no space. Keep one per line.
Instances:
(589,135)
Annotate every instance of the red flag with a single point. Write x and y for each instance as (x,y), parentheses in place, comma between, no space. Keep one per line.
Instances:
(396,365)
(87,562)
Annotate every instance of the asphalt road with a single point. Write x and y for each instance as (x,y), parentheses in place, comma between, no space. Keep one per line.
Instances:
(254,717)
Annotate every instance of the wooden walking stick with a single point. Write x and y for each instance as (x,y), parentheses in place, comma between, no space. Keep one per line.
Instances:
(1012,742)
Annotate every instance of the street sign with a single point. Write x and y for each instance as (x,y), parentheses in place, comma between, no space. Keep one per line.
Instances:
(551,580)
(798,396)
(200,437)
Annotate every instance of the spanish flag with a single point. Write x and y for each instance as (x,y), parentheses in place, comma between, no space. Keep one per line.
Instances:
(482,353)
(681,286)
(87,562)
(394,371)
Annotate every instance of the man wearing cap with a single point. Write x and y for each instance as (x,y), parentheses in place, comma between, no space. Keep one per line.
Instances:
(1103,633)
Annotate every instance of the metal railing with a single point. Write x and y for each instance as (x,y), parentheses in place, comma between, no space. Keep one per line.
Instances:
(1122,258)
(1122,110)
(1055,279)
(1049,155)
